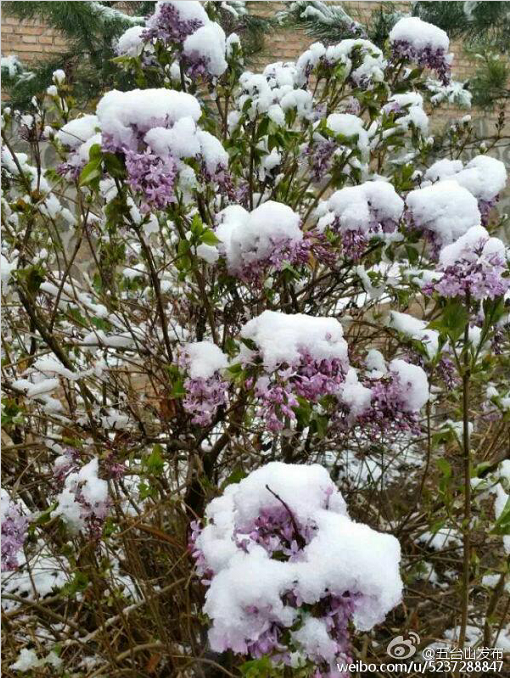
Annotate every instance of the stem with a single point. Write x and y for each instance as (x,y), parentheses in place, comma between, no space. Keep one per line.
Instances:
(299,537)
(466,537)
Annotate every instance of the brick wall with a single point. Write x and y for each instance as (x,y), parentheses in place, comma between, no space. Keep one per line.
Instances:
(29,40)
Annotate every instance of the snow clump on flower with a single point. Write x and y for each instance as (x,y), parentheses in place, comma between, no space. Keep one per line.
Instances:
(388,398)
(408,109)
(361,212)
(186,24)
(205,389)
(474,265)
(444,211)
(255,242)
(84,501)
(483,176)
(263,548)
(300,356)
(423,43)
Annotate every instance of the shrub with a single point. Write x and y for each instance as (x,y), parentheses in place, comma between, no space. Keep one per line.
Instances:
(227,287)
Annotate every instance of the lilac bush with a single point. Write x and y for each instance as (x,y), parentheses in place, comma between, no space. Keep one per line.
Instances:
(230,299)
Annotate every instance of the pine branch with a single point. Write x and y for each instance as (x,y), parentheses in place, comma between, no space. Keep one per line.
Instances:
(327,22)
(475,22)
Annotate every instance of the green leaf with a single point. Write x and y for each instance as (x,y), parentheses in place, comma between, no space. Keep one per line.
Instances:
(178,390)
(154,462)
(114,165)
(209,237)
(502,526)
(235,477)
(445,467)
(257,668)
(78,584)
(91,171)
(453,320)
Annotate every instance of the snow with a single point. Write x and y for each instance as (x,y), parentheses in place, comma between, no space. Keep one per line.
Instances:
(50,365)
(27,660)
(309,59)
(280,337)
(59,76)
(249,237)
(188,10)
(131,42)
(208,253)
(77,131)
(273,92)
(353,394)
(416,329)
(446,209)
(185,140)
(180,142)
(205,358)
(34,390)
(359,560)
(465,247)
(208,42)
(420,34)
(483,176)
(415,381)
(375,363)
(118,112)
(356,206)
(314,639)
(214,155)
(371,68)
(441,539)
(500,502)
(92,490)
(6,268)
(413,102)
(233,40)
(348,126)
(369,59)
(454,92)
(302,487)
(11,64)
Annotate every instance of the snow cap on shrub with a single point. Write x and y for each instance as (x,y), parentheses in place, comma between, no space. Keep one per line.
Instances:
(445,211)
(275,546)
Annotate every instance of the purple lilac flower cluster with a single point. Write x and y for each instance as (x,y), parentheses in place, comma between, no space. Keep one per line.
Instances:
(435,59)
(278,531)
(309,378)
(203,395)
(388,408)
(474,273)
(355,241)
(283,251)
(486,207)
(94,515)
(319,158)
(153,177)
(354,244)
(167,25)
(14,532)
(70,170)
